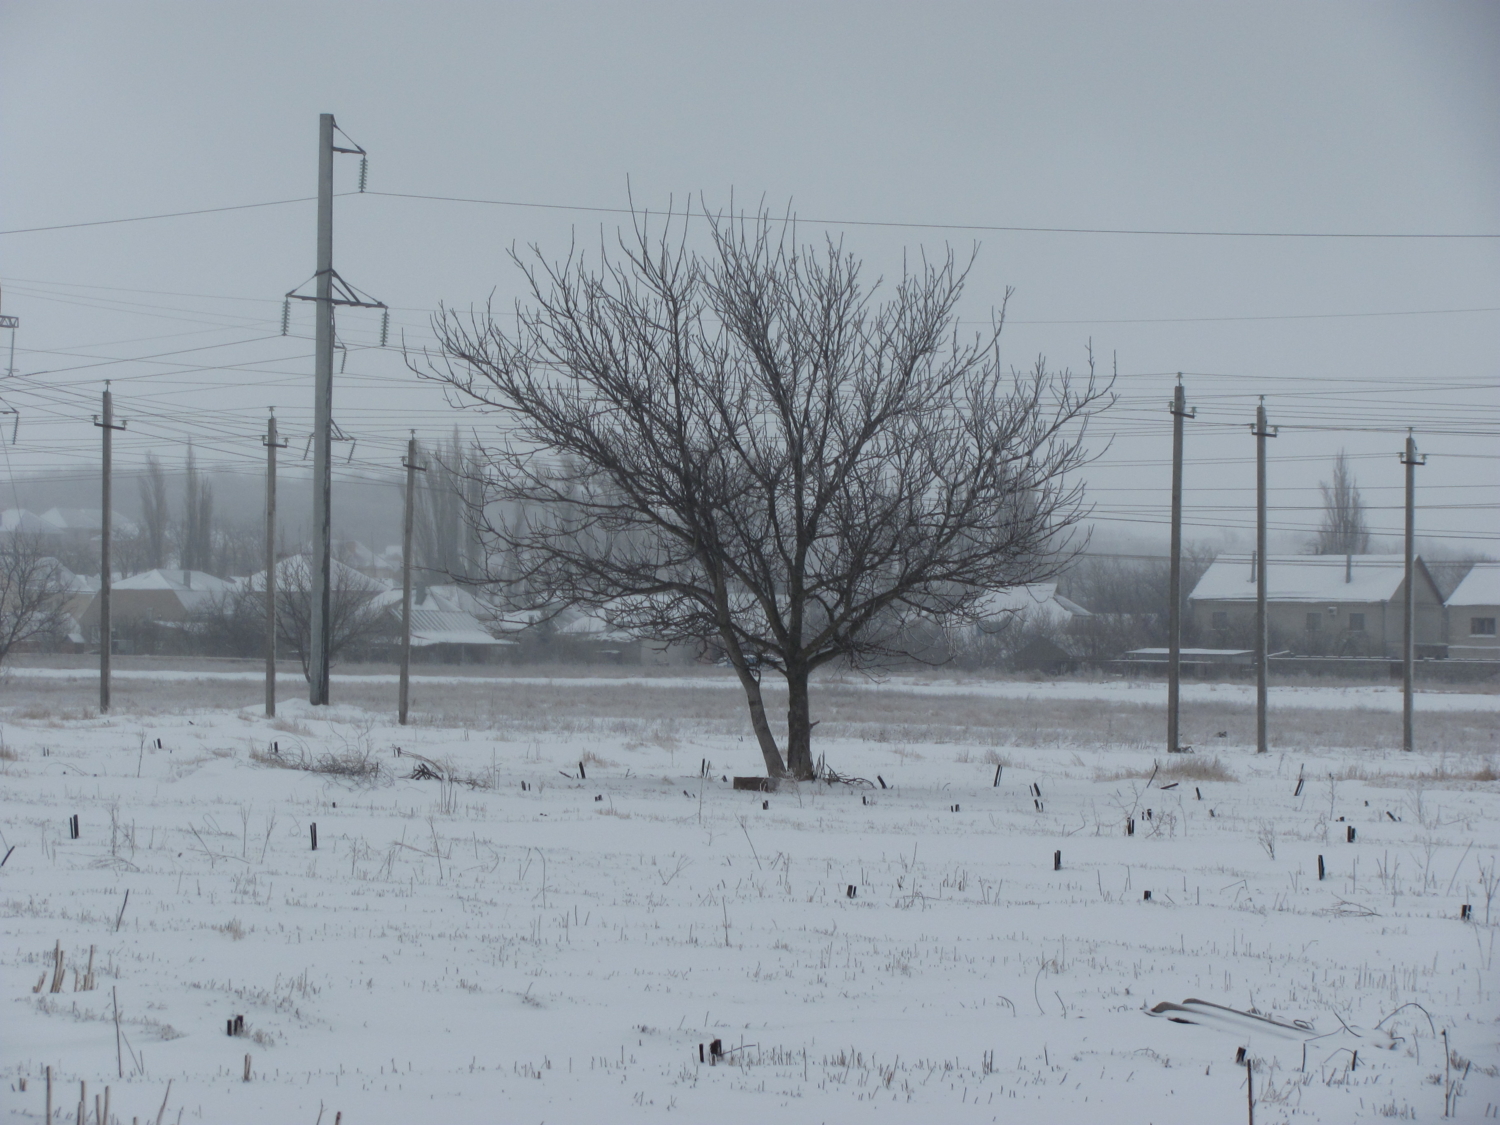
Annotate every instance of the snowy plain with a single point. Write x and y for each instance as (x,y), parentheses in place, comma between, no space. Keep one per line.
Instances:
(551,934)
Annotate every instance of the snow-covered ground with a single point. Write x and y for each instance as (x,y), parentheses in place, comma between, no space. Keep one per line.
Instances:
(529,944)
(1377,697)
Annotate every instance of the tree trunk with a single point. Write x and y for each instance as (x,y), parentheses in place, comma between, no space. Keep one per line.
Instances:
(799,761)
(775,767)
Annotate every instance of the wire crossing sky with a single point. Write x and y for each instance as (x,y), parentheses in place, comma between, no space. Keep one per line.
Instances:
(1273,199)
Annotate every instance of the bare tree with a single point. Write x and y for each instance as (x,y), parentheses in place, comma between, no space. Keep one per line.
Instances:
(746,446)
(154,513)
(1129,598)
(33,589)
(1344,530)
(357,614)
(440,529)
(198,518)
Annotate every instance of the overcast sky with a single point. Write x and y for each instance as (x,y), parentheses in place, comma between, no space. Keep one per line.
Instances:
(936,118)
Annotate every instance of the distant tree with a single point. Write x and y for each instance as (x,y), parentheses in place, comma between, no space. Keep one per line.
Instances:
(1344,530)
(445,537)
(355,617)
(198,519)
(1130,599)
(33,588)
(154,513)
(238,548)
(746,447)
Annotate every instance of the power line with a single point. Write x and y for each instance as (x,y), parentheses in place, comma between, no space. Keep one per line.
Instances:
(961,226)
(880,223)
(165,215)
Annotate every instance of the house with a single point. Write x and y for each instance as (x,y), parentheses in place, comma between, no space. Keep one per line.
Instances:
(588,635)
(150,612)
(1471,613)
(1037,608)
(448,626)
(452,636)
(82,525)
(20,521)
(1318,605)
(159,596)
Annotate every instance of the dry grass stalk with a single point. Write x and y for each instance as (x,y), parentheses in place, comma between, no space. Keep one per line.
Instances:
(1178,769)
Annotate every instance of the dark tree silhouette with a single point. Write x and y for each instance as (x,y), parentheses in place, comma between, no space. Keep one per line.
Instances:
(747,447)
(1344,530)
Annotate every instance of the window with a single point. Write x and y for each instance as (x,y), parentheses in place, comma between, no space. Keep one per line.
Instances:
(1481,626)
(1356,623)
(1221,619)
(1314,622)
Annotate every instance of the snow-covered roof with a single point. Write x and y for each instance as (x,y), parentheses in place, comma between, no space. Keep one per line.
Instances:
(87,519)
(26,522)
(456,599)
(592,625)
(446,627)
(192,587)
(1305,578)
(1038,597)
(297,569)
(1481,586)
(164,579)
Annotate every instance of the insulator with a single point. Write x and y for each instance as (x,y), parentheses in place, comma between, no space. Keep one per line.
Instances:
(286,314)
(385,326)
(364,171)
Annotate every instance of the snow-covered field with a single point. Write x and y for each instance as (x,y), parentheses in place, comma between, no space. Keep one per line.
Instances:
(528,944)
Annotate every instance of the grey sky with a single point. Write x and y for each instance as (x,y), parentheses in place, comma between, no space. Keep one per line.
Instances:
(1251,117)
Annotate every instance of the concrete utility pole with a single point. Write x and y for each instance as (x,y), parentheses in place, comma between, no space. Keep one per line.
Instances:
(272,445)
(106,533)
(330,290)
(322,594)
(1174,613)
(412,469)
(1409,610)
(1262,656)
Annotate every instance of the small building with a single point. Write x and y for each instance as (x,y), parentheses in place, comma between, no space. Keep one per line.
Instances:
(163,596)
(446,627)
(589,636)
(1471,612)
(84,525)
(1318,605)
(449,637)
(150,612)
(1037,608)
(21,521)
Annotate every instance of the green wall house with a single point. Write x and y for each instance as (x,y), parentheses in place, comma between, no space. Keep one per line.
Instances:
(1317,605)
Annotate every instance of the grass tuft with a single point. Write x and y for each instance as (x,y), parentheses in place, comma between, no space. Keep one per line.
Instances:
(1178,769)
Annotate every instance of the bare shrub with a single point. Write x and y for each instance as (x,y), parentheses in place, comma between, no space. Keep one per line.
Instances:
(1267,838)
(356,762)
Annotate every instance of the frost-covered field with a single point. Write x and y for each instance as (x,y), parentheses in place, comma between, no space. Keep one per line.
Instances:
(526,944)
